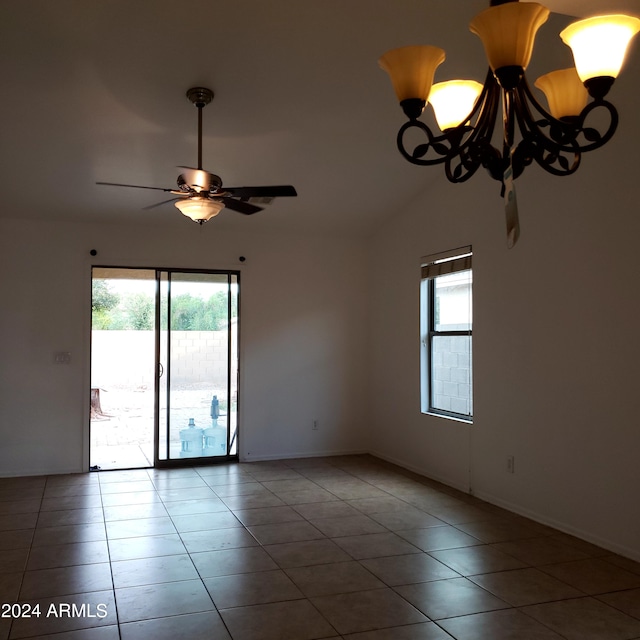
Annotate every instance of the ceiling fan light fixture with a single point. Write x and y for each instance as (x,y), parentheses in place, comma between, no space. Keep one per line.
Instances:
(199,209)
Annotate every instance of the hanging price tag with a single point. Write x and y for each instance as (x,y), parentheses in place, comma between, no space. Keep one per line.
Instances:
(511,207)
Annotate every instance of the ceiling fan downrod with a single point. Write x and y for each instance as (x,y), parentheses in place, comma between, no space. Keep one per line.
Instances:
(200,97)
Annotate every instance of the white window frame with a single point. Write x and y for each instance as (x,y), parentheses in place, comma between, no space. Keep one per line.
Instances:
(432,267)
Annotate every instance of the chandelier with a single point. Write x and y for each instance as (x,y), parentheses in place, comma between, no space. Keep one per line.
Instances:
(467,112)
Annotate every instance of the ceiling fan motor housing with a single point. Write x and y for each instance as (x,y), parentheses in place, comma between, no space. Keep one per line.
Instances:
(199,180)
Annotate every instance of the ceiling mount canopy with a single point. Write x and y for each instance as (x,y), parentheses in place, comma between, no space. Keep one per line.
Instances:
(467,112)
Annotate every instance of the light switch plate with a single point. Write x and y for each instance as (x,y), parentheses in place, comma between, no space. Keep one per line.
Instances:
(62,357)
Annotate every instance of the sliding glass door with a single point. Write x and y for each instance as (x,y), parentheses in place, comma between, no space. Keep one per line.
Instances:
(164,354)
(197,382)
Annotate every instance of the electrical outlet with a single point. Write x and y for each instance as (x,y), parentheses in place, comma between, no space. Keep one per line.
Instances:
(315,425)
(511,464)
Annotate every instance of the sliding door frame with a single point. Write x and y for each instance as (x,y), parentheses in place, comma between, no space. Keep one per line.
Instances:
(169,462)
(159,373)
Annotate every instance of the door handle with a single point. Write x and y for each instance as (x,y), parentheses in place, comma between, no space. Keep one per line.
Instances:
(160,370)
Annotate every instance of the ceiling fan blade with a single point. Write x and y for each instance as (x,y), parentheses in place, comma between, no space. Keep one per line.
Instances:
(134,186)
(276,191)
(239,206)
(158,204)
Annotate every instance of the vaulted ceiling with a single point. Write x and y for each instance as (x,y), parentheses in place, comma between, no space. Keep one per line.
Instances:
(95,90)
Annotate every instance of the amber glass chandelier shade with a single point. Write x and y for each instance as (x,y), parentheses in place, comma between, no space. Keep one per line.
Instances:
(600,44)
(565,92)
(199,209)
(411,70)
(453,101)
(508,32)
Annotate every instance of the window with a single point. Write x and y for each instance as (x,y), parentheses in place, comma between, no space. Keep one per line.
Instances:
(446,328)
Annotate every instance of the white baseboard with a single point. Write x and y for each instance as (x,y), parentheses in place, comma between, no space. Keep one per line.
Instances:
(306,454)
(609,545)
(560,526)
(421,471)
(22,473)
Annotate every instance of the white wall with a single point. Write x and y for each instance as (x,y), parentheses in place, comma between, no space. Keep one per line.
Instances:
(556,352)
(302,338)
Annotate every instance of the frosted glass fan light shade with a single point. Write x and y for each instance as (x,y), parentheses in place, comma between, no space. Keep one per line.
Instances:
(508,32)
(565,92)
(453,101)
(199,209)
(599,44)
(411,70)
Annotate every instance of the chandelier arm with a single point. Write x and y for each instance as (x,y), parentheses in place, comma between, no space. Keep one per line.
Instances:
(508,121)
(476,150)
(565,132)
(558,153)
(451,143)
(462,171)
(439,145)
(608,134)
(488,90)
(486,125)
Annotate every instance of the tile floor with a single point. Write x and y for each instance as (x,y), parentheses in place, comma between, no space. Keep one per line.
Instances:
(347,547)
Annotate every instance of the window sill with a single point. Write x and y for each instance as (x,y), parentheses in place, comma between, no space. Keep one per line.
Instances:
(448,417)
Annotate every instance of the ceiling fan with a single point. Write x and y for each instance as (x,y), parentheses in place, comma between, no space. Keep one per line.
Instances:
(200,194)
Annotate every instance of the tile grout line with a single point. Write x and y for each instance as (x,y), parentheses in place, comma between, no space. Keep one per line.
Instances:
(106,537)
